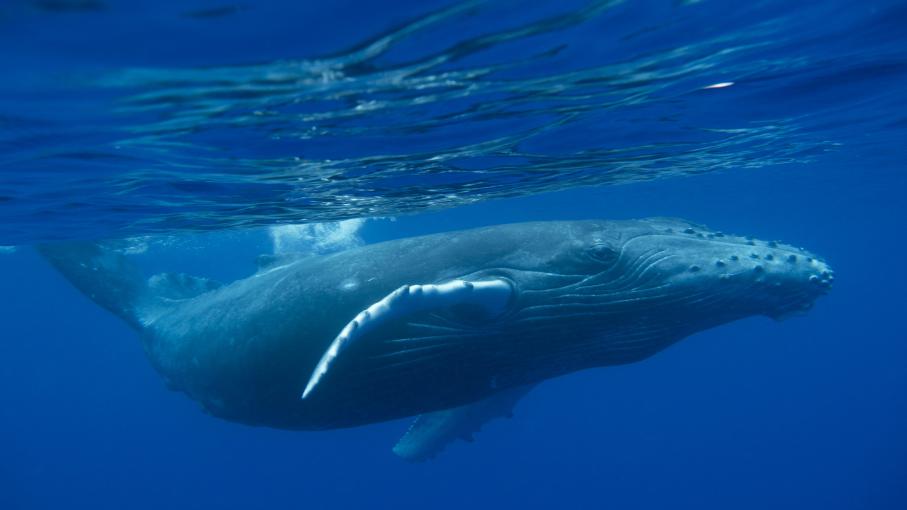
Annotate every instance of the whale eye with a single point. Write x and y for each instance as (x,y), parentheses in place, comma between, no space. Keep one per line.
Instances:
(602,253)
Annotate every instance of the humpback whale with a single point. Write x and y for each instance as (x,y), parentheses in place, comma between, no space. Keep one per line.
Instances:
(452,327)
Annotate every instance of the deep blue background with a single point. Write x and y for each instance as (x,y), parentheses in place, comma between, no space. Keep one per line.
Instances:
(805,413)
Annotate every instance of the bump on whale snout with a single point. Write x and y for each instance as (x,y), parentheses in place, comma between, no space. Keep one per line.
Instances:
(787,277)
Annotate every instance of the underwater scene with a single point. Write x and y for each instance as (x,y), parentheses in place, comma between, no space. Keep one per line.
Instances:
(453,254)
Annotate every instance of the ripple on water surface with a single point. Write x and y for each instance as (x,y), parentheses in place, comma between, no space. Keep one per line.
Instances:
(474,101)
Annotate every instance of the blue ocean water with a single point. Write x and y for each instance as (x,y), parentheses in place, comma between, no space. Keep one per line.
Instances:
(208,133)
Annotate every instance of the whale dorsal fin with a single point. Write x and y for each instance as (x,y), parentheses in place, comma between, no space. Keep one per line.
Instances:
(178,286)
(430,433)
(490,296)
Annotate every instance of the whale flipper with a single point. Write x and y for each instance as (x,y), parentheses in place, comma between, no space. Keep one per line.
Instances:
(430,433)
(490,296)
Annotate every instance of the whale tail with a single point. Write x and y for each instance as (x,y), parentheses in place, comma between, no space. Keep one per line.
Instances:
(103,273)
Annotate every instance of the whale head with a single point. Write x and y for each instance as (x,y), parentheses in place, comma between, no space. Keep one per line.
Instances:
(594,293)
(676,267)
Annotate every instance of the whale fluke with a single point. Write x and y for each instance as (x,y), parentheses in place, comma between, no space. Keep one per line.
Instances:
(103,274)
(491,296)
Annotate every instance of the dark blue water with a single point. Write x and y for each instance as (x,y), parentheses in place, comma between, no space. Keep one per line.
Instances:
(193,128)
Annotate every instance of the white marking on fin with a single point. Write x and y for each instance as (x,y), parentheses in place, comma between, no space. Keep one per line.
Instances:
(492,295)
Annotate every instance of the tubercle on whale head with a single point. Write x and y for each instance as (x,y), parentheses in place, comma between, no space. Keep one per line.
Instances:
(717,269)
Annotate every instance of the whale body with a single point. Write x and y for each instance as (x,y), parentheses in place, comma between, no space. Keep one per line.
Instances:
(454,327)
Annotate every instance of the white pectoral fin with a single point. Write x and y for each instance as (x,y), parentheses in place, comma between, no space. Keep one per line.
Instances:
(492,296)
(430,433)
